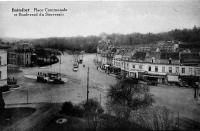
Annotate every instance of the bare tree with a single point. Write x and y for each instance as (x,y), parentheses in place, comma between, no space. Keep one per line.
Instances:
(128,95)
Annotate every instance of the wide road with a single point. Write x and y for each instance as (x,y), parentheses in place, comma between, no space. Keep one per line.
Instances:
(74,90)
(179,100)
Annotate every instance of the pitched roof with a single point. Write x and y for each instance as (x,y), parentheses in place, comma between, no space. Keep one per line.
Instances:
(139,55)
(168,55)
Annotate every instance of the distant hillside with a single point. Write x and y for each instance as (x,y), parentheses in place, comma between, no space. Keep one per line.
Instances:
(189,36)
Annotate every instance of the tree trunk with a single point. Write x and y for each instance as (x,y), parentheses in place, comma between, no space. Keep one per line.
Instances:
(2,103)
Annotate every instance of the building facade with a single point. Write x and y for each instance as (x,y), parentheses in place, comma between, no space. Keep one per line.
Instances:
(3,67)
(20,56)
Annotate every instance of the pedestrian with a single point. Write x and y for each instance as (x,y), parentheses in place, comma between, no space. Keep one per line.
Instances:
(198,89)
(195,91)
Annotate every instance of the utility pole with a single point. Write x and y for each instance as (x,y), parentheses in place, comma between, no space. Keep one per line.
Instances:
(60,65)
(87,84)
(100,98)
(27,96)
(178,120)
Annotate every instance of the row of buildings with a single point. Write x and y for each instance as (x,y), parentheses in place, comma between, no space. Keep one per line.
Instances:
(163,61)
(3,67)
(23,55)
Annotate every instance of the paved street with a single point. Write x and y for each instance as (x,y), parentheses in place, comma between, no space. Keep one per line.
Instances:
(177,99)
(74,90)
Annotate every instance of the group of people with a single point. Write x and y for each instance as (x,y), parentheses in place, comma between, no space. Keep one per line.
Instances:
(196,90)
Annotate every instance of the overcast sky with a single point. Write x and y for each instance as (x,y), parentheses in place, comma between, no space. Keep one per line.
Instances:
(93,18)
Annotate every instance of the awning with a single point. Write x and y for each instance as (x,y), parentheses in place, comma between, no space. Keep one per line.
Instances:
(137,71)
(157,73)
(155,76)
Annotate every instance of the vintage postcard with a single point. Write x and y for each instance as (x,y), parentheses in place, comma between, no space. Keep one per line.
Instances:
(99,65)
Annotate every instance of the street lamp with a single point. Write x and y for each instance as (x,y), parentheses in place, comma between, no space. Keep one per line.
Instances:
(27,95)
(88,83)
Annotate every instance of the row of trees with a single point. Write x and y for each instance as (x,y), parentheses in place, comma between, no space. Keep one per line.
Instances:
(90,43)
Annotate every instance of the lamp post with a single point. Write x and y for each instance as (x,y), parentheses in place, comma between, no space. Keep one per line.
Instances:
(88,83)
(27,95)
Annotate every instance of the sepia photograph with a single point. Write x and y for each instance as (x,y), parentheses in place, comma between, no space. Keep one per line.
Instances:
(100,65)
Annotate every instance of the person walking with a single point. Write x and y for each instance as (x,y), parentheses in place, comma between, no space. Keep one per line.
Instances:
(196,90)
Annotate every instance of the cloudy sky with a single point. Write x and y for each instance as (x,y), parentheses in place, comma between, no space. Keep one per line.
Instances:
(93,18)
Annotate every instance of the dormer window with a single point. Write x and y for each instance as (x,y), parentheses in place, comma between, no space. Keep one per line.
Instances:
(170,61)
(152,60)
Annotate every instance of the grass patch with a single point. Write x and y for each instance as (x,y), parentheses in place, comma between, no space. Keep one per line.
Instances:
(12,115)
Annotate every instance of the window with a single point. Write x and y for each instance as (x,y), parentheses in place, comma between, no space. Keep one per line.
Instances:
(133,66)
(163,69)
(197,71)
(156,68)
(127,65)
(170,69)
(190,71)
(170,61)
(140,66)
(183,70)
(149,68)
(177,69)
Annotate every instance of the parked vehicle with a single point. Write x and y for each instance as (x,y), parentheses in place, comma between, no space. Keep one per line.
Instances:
(54,78)
(75,67)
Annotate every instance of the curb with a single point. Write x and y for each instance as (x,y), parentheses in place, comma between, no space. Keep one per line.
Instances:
(13,89)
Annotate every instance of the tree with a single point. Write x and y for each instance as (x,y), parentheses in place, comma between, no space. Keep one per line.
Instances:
(2,103)
(128,95)
(92,110)
(154,118)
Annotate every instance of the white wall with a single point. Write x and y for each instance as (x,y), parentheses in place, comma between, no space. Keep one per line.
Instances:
(3,55)
(3,67)
(3,70)
(189,70)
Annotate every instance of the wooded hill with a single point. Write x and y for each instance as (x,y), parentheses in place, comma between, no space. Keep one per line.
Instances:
(191,38)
